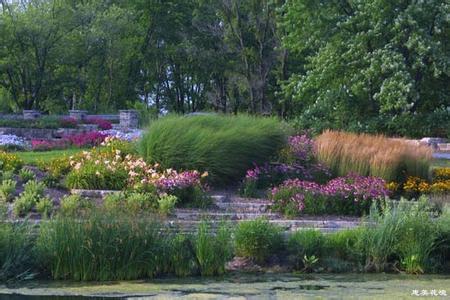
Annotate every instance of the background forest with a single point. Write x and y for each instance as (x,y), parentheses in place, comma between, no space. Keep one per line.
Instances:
(359,65)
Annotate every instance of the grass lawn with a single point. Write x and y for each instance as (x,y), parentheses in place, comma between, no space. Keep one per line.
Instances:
(32,157)
(440,163)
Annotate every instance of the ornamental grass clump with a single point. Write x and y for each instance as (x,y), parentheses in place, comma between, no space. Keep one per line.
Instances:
(103,246)
(375,155)
(17,259)
(258,239)
(402,232)
(224,146)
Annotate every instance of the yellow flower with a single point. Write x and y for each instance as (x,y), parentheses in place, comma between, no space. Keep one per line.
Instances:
(205,174)
(392,186)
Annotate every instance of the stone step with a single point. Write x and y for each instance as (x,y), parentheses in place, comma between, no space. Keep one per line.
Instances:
(196,215)
(239,204)
(288,226)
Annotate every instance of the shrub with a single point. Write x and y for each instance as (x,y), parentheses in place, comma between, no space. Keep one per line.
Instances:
(349,195)
(34,187)
(390,159)
(6,175)
(404,230)
(257,239)
(140,202)
(305,243)
(24,204)
(74,205)
(91,175)
(9,162)
(166,204)
(44,206)
(212,250)
(222,145)
(88,139)
(441,174)
(101,123)
(27,200)
(26,175)
(111,169)
(7,190)
(56,167)
(68,122)
(47,145)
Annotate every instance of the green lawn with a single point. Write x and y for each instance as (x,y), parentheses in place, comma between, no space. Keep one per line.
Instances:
(440,163)
(32,157)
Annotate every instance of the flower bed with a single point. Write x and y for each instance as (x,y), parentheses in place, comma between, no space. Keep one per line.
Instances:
(88,139)
(349,195)
(296,160)
(414,186)
(10,141)
(110,168)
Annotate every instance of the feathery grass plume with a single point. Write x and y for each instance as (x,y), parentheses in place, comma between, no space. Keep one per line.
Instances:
(224,146)
(375,155)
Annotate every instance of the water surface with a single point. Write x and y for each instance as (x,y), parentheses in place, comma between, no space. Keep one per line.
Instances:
(238,286)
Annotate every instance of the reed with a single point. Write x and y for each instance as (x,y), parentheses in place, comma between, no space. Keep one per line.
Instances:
(374,155)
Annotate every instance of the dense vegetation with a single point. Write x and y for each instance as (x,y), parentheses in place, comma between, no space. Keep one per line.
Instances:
(107,245)
(224,146)
(358,65)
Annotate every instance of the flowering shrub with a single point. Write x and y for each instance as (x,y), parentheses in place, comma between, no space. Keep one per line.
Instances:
(87,139)
(9,162)
(68,122)
(297,161)
(349,195)
(414,186)
(441,174)
(46,145)
(111,169)
(10,141)
(101,123)
(129,135)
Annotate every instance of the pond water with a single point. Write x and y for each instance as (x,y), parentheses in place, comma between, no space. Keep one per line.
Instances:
(239,286)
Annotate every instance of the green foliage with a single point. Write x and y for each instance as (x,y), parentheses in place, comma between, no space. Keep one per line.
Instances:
(44,122)
(7,190)
(103,247)
(34,187)
(181,255)
(306,243)
(141,202)
(26,175)
(368,66)
(45,207)
(93,177)
(6,175)
(166,204)
(29,198)
(24,204)
(132,202)
(395,233)
(224,146)
(16,251)
(74,206)
(9,162)
(213,251)
(258,239)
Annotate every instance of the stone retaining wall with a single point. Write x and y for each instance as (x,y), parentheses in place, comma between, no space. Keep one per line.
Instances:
(93,194)
(45,134)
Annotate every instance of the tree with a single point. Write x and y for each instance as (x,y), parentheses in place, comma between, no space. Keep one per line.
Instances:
(367,59)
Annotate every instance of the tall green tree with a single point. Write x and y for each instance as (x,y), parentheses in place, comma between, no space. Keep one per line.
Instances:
(367,59)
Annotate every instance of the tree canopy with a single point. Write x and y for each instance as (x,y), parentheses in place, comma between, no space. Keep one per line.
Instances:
(361,65)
